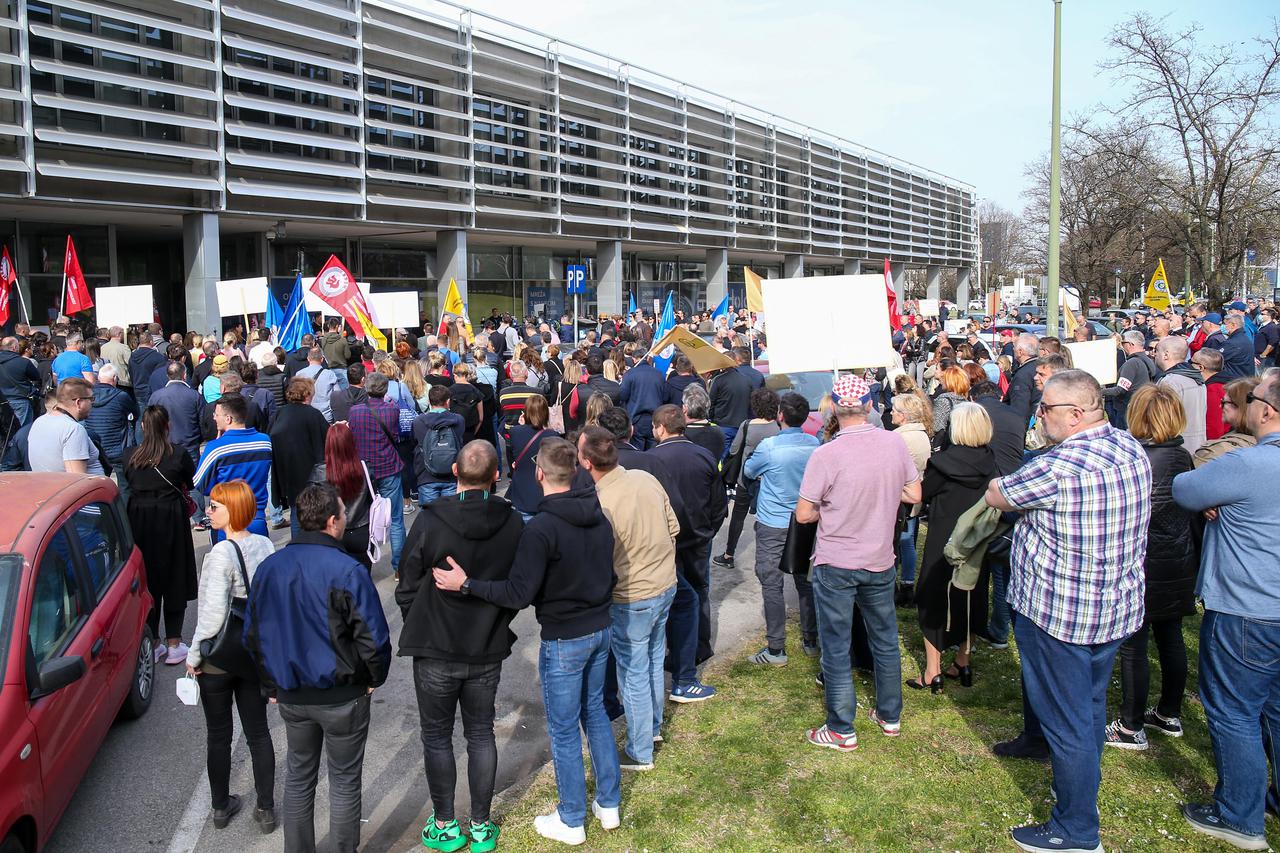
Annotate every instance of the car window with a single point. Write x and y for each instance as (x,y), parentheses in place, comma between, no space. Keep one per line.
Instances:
(102,544)
(10,580)
(57,605)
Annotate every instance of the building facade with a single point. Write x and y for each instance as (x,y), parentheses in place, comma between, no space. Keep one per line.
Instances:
(185,141)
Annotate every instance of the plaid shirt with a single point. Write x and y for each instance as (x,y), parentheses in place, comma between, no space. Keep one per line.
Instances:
(373,441)
(1079,548)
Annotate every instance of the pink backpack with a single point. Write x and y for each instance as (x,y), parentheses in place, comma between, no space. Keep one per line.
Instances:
(379,518)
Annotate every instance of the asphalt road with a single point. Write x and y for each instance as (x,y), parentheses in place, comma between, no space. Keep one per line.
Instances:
(147,790)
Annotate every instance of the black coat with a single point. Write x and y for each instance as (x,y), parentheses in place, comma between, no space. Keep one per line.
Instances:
(699,501)
(19,379)
(1172,558)
(158,517)
(1022,395)
(272,378)
(297,447)
(144,362)
(1010,437)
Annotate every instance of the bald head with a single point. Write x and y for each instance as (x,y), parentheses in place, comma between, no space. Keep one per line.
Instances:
(476,466)
(9,344)
(1171,351)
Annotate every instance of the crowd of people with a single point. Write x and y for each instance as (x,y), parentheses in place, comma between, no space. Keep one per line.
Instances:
(1082,520)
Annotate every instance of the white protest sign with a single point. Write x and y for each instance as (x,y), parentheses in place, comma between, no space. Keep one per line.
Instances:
(1097,358)
(124,306)
(249,296)
(827,322)
(928,307)
(395,310)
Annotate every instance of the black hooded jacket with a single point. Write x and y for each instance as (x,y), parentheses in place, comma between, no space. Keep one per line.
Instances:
(954,480)
(19,379)
(481,531)
(1172,558)
(563,566)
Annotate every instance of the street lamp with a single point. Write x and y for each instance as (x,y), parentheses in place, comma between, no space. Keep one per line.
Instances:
(1055,169)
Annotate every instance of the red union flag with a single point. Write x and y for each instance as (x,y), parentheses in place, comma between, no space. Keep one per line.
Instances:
(76,290)
(337,287)
(8,278)
(895,319)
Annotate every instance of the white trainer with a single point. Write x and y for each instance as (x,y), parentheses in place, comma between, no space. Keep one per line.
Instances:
(176,654)
(609,818)
(551,826)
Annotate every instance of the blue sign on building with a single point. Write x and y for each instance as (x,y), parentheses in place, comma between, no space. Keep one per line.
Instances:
(575,276)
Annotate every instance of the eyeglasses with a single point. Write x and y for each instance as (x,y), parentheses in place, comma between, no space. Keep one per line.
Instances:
(83,399)
(1252,398)
(1043,408)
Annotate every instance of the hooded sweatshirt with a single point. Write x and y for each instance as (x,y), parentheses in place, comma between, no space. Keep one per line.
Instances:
(1186,381)
(563,566)
(481,532)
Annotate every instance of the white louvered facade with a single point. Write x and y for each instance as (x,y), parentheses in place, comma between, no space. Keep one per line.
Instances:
(426,116)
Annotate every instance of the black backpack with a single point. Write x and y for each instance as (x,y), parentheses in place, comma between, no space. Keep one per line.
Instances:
(439,450)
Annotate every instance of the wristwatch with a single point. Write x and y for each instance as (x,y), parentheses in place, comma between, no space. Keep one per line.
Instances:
(465,589)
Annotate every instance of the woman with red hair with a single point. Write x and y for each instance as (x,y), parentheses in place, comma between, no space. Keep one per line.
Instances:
(348,474)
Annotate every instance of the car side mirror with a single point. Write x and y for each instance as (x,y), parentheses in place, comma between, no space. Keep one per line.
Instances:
(58,673)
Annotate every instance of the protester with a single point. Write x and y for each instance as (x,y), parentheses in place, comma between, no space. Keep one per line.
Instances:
(856,506)
(955,385)
(1209,363)
(644,563)
(272,379)
(1237,348)
(561,568)
(160,476)
(185,407)
(1234,406)
(72,362)
(325,379)
(1185,381)
(58,441)
(347,472)
(112,419)
(762,425)
(458,642)
(19,382)
(237,453)
(1022,395)
(226,568)
(643,389)
(260,399)
(1076,588)
(696,404)
(680,377)
(438,434)
(1156,419)
(297,445)
(315,627)
(911,421)
(353,395)
(1239,583)
(730,395)
(527,436)
(211,387)
(117,353)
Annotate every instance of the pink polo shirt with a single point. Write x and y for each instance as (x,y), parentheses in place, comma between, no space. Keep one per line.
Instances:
(856,480)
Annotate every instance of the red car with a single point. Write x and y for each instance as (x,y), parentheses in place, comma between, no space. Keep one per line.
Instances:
(75,648)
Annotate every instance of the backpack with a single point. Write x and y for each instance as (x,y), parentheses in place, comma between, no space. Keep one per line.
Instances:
(408,410)
(379,518)
(439,450)
(470,412)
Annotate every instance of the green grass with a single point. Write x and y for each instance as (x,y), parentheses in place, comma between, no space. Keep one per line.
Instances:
(735,773)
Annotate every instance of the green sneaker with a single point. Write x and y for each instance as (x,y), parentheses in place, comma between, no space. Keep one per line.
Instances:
(484,836)
(447,838)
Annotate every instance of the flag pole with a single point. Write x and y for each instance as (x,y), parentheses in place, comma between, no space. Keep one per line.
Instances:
(21,300)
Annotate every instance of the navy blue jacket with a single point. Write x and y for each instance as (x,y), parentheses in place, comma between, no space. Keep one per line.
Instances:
(111,418)
(1237,356)
(314,624)
(184,404)
(142,364)
(695,488)
(643,390)
(755,377)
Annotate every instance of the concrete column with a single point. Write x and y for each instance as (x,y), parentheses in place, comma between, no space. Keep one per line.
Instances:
(451,261)
(933,287)
(609,298)
(717,276)
(792,266)
(962,287)
(898,272)
(202,262)
(852,266)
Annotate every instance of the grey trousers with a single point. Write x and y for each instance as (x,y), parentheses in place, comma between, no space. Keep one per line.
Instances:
(341,730)
(769,544)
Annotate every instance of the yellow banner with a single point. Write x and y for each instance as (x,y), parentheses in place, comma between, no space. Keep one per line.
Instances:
(371,331)
(704,357)
(1068,315)
(453,305)
(755,296)
(1157,295)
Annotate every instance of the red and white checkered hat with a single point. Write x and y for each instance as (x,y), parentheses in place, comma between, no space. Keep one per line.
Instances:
(849,391)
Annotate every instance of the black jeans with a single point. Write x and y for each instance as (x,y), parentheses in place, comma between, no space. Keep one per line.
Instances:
(216,695)
(1135,672)
(175,613)
(442,687)
(737,519)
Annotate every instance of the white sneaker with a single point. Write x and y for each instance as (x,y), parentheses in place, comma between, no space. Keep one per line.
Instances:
(175,655)
(609,818)
(551,826)
(630,763)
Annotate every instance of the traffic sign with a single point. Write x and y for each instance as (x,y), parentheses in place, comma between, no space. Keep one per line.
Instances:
(575,276)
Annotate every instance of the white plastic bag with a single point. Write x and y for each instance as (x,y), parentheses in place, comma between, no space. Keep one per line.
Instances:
(188,690)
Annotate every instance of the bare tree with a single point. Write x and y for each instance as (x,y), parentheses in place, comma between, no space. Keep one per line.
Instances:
(1004,241)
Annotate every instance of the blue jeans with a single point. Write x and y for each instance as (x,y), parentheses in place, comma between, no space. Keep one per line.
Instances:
(834,593)
(275,513)
(572,674)
(907,550)
(21,407)
(639,644)
(729,433)
(389,488)
(1240,690)
(1066,686)
(432,491)
(998,626)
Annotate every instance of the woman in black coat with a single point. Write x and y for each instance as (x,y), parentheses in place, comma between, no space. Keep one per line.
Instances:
(1156,417)
(954,480)
(297,445)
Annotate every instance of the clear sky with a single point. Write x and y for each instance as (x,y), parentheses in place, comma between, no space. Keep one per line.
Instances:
(960,87)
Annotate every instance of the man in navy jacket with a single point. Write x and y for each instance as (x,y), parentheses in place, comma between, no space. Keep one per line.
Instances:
(643,390)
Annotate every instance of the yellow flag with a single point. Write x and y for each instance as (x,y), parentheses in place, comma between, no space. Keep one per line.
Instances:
(1069,316)
(1157,295)
(453,305)
(704,357)
(371,331)
(755,296)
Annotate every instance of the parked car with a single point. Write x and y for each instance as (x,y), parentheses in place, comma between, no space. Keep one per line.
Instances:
(75,648)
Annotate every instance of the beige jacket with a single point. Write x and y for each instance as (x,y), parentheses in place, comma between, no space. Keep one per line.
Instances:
(644,533)
(920,448)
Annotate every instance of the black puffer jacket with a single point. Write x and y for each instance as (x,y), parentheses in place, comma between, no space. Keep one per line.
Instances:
(1172,561)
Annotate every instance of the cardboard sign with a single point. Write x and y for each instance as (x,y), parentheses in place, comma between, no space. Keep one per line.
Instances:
(836,322)
(703,356)
(124,306)
(1097,358)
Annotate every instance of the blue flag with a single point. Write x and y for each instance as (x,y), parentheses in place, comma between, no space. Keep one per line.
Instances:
(721,309)
(290,324)
(631,305)
(662,360)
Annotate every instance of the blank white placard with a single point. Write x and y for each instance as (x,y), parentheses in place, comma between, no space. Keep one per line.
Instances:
(1097,358)
(827,322)
(124,306)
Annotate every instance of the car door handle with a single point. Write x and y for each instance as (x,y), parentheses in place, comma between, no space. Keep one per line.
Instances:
(97,647)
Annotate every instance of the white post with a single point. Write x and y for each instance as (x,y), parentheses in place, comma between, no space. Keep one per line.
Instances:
(575,319)
(22,302)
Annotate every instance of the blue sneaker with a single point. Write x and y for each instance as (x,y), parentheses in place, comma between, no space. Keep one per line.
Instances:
(1205,819)
(695,692)
(1044,839)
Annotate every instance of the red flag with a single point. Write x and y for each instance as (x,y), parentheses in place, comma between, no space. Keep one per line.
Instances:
(77,293)
(337,287)
(895,319)
(8,278)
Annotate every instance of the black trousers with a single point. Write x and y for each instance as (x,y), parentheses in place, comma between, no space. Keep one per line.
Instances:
(737,519)
(1135,672)
(217,692)
(442,687)
(175,613)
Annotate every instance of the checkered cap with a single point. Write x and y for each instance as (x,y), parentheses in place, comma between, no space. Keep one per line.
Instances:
(849,390)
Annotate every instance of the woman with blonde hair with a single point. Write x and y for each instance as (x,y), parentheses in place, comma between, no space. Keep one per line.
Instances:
(399,392)
(195,346)
(1157,418)
(610,370)
(955,390)
(955,478)
(437,368)
(911,420)
(226,575)
(415,384)
(596,404)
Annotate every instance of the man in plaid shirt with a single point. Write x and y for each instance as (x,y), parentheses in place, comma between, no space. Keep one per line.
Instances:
(1077,587)
(375,425)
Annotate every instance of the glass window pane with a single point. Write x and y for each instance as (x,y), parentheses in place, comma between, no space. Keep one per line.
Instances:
(102,544)
(57,606)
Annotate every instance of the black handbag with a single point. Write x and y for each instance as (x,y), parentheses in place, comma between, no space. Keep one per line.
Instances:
(732,469)
(797,551)
(226,651)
